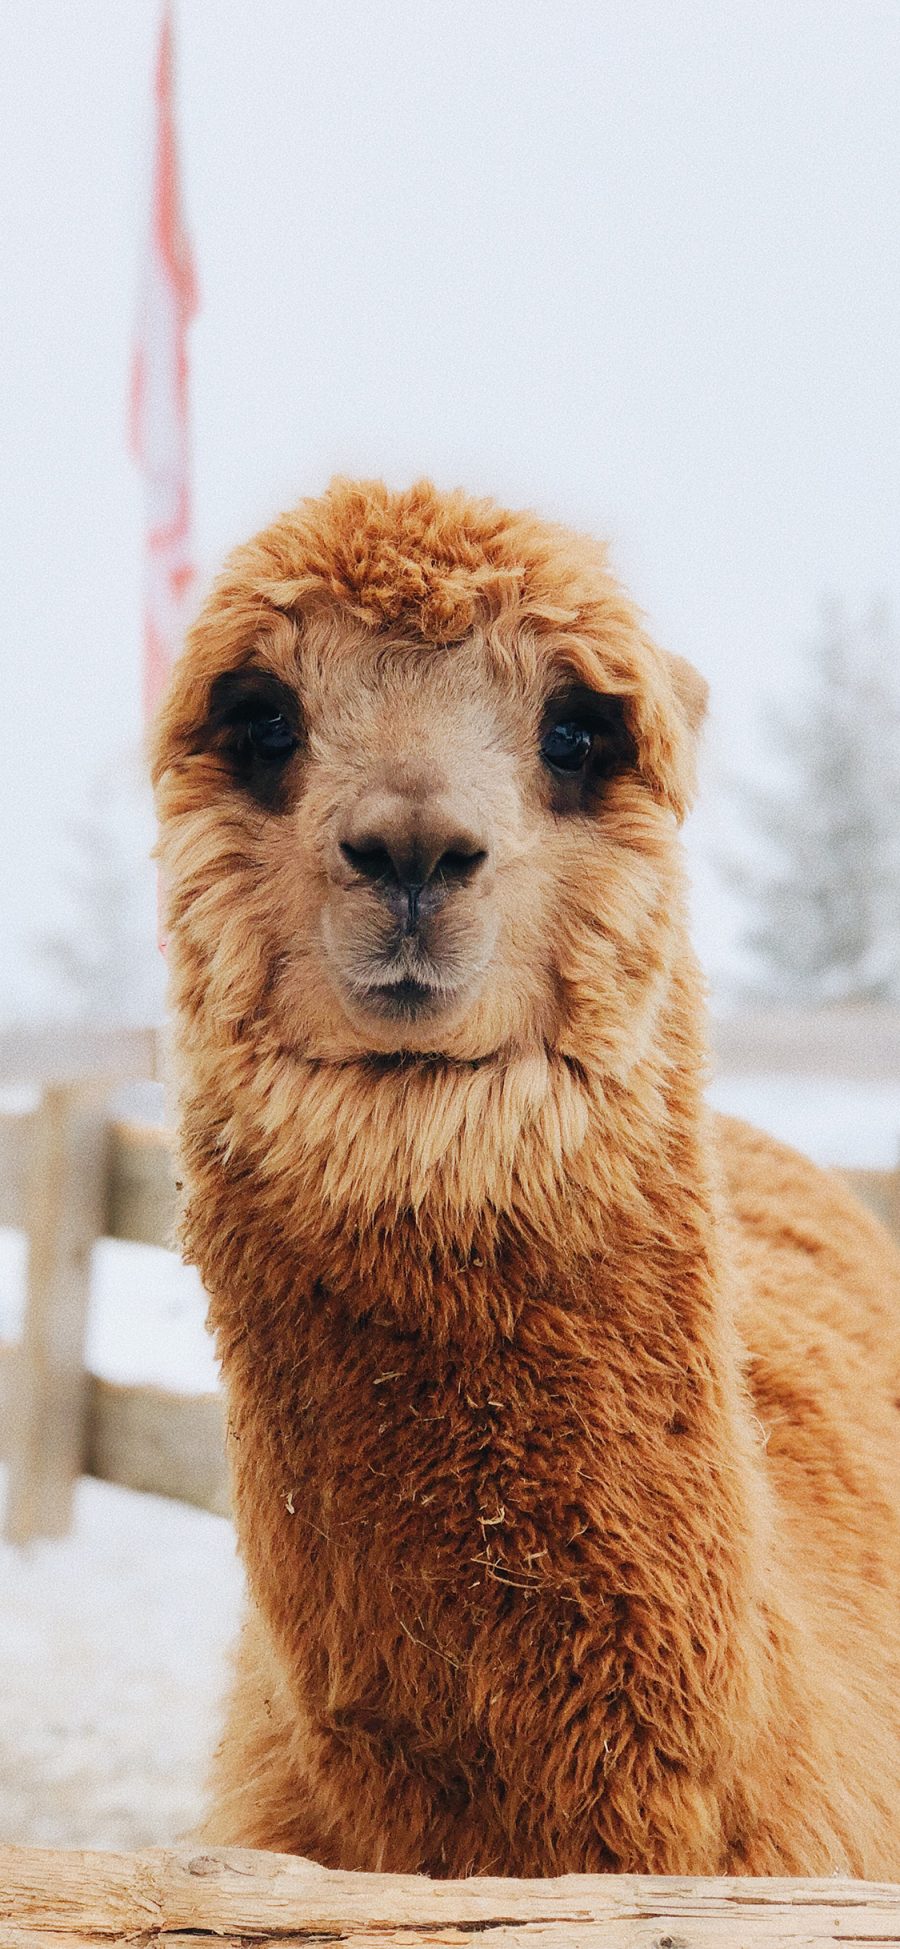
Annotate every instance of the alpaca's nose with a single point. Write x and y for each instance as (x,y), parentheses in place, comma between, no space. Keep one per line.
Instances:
(413,854)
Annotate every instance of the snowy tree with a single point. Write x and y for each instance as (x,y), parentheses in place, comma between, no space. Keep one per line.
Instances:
(824,886)
(104,963)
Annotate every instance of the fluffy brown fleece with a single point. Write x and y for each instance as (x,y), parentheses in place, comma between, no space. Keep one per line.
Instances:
(563,1422)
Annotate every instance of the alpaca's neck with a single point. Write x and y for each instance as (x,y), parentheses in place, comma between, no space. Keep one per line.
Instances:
(444,1201)
(555,1374)
(563,1158)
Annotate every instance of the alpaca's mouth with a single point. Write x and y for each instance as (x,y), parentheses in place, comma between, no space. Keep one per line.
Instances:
(404,1000)
(406,984)
(399,988)
(408,994)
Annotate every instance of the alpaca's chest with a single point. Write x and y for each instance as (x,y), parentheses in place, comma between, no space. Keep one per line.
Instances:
(404,1519)
(461,1562)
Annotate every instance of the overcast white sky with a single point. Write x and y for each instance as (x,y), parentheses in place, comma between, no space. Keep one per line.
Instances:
(634,264)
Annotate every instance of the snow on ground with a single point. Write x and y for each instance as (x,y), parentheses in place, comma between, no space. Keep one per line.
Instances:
(113,1649)
(113,1642)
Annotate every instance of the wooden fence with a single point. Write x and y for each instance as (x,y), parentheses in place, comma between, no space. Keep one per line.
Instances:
(70,1175)
(185,1899)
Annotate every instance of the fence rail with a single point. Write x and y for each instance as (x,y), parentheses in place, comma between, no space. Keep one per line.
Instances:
(69,1174)
(236,1897)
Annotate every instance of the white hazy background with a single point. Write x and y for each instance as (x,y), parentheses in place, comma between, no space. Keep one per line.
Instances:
(634,265)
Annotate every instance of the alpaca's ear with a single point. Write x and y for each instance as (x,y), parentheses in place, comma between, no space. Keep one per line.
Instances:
(667,712)
(691,690)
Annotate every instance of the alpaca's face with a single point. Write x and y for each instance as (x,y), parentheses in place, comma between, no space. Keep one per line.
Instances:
(379,844)
(420,825)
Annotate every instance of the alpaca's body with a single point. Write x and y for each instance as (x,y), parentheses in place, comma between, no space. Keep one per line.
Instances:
(564,1432)
(412,1474)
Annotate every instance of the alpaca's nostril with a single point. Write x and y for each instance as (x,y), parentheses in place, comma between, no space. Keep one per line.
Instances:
(460,863)
(370,859)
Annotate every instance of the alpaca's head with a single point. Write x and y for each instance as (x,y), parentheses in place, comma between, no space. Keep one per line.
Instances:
(418,774)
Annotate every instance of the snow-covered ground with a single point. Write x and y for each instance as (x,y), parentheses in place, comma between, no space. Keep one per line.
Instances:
(113,1659)
(113,1643)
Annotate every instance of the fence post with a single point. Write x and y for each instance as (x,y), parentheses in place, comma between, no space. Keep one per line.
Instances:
(65,1214)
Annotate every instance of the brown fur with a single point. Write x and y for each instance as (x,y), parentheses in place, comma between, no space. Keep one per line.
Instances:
(563,1422)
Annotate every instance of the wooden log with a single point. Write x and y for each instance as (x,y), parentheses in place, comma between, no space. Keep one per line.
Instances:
(65,1207)
(170,1898)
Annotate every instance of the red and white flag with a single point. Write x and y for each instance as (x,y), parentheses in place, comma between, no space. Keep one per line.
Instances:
(159,395)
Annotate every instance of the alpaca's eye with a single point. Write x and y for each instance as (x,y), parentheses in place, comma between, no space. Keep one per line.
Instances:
(567,746)
(271,737)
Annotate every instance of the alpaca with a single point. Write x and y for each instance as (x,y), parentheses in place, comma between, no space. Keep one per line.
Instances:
(562,1417)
